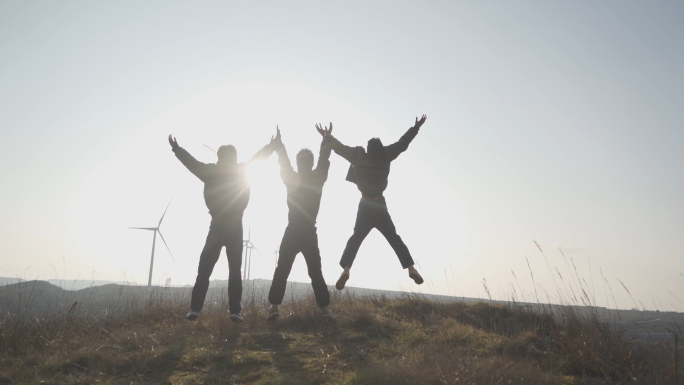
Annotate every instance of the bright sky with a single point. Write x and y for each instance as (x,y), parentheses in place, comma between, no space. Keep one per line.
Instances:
(554,122)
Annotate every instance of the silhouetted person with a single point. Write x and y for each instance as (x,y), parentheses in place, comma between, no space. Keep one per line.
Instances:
(226,194)
(304,189)
(369,170)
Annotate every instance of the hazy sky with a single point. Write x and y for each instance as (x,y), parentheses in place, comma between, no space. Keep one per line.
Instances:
(554,122)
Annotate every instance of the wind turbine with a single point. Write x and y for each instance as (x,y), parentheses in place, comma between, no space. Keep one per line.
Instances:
(154,241)
(248,256)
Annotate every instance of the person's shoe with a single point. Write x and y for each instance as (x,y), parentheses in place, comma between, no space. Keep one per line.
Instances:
(342,280)
(415,276)
(274,314)
(236,317)
(325,312)
(192,315)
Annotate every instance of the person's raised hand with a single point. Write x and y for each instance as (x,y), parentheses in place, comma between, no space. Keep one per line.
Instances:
(173,142)
(420,122)
(324,131)
(276,139)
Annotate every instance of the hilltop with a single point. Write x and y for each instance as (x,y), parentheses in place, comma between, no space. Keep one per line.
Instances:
(50,299)
(369,340)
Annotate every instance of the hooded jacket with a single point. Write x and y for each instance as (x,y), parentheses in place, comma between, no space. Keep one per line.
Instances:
(370,173)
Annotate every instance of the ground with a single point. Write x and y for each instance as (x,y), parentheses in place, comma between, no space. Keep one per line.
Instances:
(368,340)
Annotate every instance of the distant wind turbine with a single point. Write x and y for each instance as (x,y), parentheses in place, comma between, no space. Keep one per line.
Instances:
(154,240)
(248,256)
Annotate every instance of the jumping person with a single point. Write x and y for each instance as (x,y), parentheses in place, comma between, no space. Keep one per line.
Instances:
(369,170)
(304,189)
(226,194)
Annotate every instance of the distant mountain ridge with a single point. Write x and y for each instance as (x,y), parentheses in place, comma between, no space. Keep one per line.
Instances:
(70,284)
(8,281)
(293,288)
(47,298)
(78,284)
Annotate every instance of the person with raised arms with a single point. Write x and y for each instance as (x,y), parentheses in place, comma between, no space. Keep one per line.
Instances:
(226,194)
(304,189)
(369,170)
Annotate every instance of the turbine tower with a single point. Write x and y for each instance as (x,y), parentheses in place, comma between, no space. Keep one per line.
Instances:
(276,253)
(249,246)
(154,241)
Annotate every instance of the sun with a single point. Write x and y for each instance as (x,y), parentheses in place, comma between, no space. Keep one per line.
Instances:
(268,193)
(263,175)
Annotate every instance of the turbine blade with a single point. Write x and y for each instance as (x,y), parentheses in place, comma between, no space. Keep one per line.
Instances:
(162,217)
(257,250)
(144,228)
(167,246)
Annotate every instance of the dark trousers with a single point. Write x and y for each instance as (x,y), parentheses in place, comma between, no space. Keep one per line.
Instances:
(374,214)
(228,234)
(305,240)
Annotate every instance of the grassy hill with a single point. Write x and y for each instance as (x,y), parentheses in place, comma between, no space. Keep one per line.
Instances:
(370,339)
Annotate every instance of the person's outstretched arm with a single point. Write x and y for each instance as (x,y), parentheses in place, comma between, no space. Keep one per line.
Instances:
(196,167)
(287,173)
(393,150)
(265,151)
(324,153)
(353,154)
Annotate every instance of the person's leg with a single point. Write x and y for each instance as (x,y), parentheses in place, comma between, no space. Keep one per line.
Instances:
(208,258)
(312,255)
(364,224)
(233,241)
(286,255)
(386,226)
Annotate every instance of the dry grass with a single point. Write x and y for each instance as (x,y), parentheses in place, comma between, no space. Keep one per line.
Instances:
(370,340)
